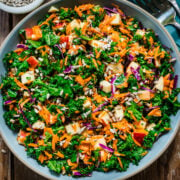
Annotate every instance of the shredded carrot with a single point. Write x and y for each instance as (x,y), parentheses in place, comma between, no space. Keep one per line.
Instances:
(55,139)
(120,162)
(155,112)
(144,153)
(134,118)
(42,158)
(59,154)
(21,85)
(48,154)
(33,145)
(24,102)
(95,63)
(48,19)
(82,81)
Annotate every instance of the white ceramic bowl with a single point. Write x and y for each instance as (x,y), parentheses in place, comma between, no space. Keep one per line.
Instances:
(21,10)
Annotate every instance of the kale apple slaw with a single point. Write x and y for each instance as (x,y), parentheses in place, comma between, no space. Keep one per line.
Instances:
(89,89)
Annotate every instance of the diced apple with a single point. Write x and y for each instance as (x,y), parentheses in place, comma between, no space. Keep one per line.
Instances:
(38,125)
(73,128)
(74,24)
(144,95)
(87,104)
(142,124)
(140,33)
(98,139)
(97,44)
(118,113)
(116,20)
(27,77)
(116,68)
(159,84)
(151,126)
(22,137)
(132,65)
(139,136)
(104,117)
(53,9)
(105,86)
(28,33)
(32,61)
(157,62)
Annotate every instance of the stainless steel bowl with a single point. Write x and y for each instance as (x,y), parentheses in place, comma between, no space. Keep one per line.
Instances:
(148,21)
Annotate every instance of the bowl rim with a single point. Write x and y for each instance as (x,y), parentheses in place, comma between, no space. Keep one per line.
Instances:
(22,9)
(175,49)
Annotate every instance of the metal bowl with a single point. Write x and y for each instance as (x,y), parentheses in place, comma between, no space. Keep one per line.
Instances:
(148,21)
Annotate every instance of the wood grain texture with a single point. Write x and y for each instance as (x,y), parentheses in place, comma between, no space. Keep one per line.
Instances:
(167,167)
(5,154)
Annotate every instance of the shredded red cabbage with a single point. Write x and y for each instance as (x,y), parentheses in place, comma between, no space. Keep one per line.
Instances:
(106,148)
(22,46)
(89,126)
(151,108)
(130,57)
(136,73)
(175,81)
(77,173)
(68,70)
(147,89)
(21,111)
(7,102)
(58,46)
(100,107)
(113,88)
(31,99)
(172,60)
(114,10)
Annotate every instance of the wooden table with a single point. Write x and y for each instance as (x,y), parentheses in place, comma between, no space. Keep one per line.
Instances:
(166,167)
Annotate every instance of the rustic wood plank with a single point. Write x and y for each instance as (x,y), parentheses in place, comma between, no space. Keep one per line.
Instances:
(4,25)
(5,161)
(5,154)
(23,172)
